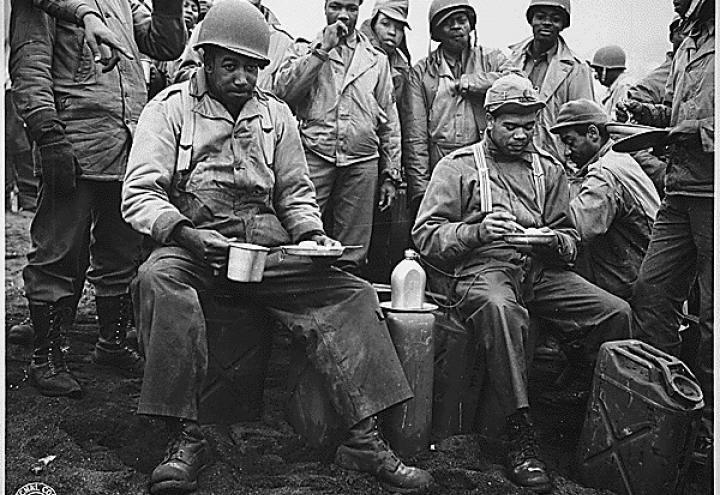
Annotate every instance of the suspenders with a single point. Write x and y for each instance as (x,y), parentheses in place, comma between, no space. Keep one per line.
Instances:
(484,179)
(186,131)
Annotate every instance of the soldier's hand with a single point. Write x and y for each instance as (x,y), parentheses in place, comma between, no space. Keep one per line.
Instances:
(59,168)
(208,245)
(624,110)
(333,34)
(552,247)
(496,224)
(323,240)
(105,45)
(388,191)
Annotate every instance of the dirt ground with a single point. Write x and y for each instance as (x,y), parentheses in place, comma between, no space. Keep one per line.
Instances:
(102,447)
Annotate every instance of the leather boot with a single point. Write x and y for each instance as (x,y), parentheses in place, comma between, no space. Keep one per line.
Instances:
(22,333)
(112,350)
(187,454)
(367,451)
(48,371)
(526,468)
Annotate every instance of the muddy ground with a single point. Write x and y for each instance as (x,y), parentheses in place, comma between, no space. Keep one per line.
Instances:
(102,447)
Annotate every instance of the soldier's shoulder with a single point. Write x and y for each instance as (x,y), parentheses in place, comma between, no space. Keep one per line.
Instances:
(459,158)
(273,103)
(171,94)
(546,158)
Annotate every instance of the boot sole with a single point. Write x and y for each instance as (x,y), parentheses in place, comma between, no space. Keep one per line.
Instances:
(75,394)
(395,489)
(173,487)
(342,463)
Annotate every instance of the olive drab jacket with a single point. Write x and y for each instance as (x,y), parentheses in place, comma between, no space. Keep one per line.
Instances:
(245,178)
(347,113)
(533,187)
(280,41)
(617,91)
(436,118)
(613,205)
(691,94)
(398,60)
(55,78)
(568,78)
(651,88)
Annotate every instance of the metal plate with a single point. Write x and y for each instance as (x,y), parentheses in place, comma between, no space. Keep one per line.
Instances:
(319,251)
(536,238)
(641,141)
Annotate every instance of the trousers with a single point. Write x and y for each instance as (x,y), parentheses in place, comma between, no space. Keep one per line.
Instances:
(346,197)
(680,251)
(497,302)
(74,232)
(335,315)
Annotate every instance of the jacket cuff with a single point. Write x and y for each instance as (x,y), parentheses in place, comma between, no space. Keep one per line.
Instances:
(468,236)
(567,248)
(44,125)
(165,224)
(82,11)
(302,230)
(173,8)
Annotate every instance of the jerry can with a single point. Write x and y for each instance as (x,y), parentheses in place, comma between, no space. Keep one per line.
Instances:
(407,426)
(640,422)
(239,338)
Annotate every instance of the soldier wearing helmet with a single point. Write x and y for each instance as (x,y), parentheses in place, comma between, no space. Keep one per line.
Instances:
(280,41)
(221,159)
(477,196)
(342,90)
(610,70)
(613,203)
(443,106)
(557,73)
(680,249)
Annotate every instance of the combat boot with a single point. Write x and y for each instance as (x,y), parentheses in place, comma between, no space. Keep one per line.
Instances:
(367,451)
(187,454)
(22,333)
(48,371)
(112,350)
(524,464)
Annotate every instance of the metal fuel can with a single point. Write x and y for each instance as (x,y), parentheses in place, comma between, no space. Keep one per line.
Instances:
(407,426)
(641,421)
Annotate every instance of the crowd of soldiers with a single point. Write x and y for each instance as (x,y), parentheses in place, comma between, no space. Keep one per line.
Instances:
(250,135)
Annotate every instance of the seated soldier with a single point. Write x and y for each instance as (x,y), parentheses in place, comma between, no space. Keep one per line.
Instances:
(478,195)
(219,159)
(613,203)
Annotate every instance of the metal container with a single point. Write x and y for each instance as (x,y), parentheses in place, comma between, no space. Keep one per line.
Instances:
(239,338)
(641,421)
(246,262)
(407,426)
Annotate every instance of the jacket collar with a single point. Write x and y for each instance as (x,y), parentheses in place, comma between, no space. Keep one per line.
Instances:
(364,57)
(559,66)
(398,58)
(209,107)
(604,150)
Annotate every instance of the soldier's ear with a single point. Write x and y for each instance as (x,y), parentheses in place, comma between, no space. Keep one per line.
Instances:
(490,119)
(593,133)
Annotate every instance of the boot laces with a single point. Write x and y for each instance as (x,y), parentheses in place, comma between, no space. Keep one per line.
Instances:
(525,445)
(383,445)
(56,361)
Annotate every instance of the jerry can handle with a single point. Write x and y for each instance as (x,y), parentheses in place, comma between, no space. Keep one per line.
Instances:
(678,373)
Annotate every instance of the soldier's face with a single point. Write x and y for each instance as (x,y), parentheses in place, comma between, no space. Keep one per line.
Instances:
(581,147)
(546,23)
(681,6)
(345,11)
(389,31)
(454,32)
(512,132)
(191,11)
(231,76)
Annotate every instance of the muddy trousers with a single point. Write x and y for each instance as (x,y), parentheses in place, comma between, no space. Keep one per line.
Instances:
(493,307)
(335,315)
(73,232)
(681,248)
(346,196)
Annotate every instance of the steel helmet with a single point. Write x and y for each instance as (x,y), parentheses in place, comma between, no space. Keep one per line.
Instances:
(609,57)
(579,112)
(561,4)
(238,26)
(512,93)
(442,9)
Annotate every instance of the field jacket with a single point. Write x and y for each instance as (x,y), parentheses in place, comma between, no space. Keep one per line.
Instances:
(246,178)
(55,78)
(347,114)
(614,205)
(436,118)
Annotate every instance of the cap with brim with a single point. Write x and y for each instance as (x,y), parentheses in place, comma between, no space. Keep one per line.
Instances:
(446,14)
(516,107)
(582,119)
(396,10)
(395,16)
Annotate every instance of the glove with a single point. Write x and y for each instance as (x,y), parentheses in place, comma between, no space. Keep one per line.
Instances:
(59,167)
